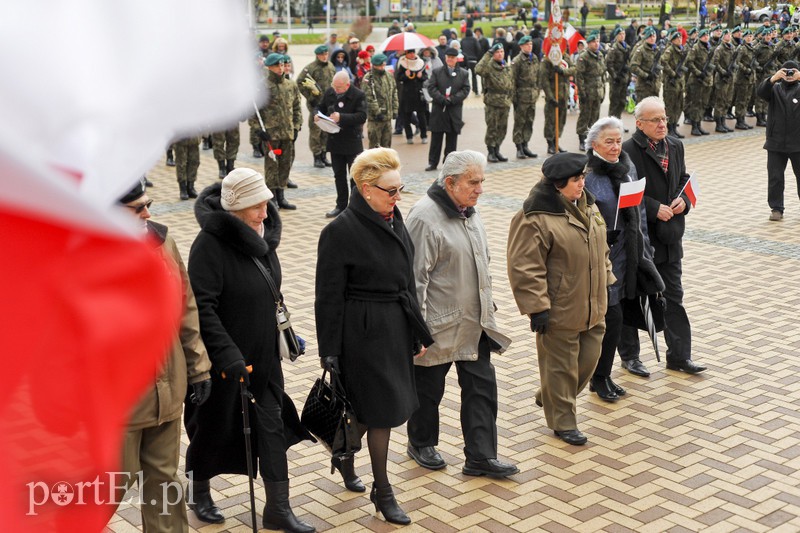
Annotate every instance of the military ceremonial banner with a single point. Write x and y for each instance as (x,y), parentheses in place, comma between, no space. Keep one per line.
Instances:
(559,32)
(88,308)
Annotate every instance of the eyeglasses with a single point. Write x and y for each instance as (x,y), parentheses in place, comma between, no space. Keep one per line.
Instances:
(656,120)
(141,207)
(393,191)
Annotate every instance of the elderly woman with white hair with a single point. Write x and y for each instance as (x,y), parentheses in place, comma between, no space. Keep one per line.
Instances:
(454,288)
(233,267)
(630,253)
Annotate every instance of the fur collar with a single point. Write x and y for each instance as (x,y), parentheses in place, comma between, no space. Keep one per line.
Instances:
(439,195)
(215,220)
(616,172)
(158,232)
(414,66)
(545,198)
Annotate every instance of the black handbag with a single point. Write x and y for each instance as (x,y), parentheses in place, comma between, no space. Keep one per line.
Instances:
(288,345)
(329,416)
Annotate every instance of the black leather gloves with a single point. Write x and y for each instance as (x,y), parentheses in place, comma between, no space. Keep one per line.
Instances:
(330,363)
(539,322)
(237,371)
(263,135)
(200,392)
(612,235)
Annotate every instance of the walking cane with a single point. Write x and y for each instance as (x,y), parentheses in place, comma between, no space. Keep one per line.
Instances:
(247,396)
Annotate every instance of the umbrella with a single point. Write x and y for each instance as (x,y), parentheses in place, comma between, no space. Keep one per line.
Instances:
(644,301)
(405,41)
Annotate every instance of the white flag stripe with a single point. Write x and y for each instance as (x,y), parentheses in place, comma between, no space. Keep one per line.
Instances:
(632,187)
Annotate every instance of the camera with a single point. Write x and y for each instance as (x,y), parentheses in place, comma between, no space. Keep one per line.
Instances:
(789,72)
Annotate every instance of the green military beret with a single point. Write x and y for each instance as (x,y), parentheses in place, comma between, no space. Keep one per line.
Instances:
(287,59)
(725,31)
(273,59)
(379,59)
(787,29)
(735,29)
(616,31)
(692,31)
(321,49)
(496,47)
(648,32)
(263,38)
(745,33)
(525,40)
(673,34)
(594,36)
(702,33)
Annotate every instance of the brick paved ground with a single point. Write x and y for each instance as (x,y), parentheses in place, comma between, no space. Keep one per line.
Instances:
(714,452)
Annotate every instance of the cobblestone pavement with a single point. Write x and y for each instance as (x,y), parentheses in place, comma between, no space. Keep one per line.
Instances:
(714,452)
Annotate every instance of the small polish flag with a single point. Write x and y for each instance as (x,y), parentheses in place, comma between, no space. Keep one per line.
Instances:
(691,189)
(631,193)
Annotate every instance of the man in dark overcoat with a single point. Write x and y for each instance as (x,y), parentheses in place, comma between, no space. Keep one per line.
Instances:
(347,106)
(448,87)
(661,160)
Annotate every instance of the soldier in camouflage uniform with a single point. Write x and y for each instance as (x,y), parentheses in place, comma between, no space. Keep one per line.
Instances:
(226,148)
(187,160)
(525,69)
(590,75)
(764,61)
(645,66)
(312,82)
(714,41)
(785,50)
(547,81)
(498,86)
(701,78)
(724,66)
(382,104)
(690,42)
(618,73)
(283,117)
(745,79)
(674,64)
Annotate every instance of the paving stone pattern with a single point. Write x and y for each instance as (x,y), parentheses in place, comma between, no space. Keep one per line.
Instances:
(715,452)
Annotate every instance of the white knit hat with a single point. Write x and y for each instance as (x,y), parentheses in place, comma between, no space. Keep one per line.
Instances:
(243,188)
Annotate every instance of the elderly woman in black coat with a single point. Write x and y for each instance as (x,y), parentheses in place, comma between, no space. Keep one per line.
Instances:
(369,325)
(239,228)
(630,251)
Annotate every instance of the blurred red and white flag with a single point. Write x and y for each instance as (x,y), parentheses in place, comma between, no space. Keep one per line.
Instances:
(691,189)
(91,93)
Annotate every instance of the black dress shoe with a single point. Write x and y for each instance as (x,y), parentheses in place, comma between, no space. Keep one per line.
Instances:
(538,402)
(572,436)
(427,457)
(616,388)
(636,367)
(489,467)
(430,168)
(602,387)
(687,365)
(333,213)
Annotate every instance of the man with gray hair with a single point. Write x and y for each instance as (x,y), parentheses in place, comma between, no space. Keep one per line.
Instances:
(454,289)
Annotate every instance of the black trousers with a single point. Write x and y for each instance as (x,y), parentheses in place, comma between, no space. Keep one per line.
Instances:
(776,170)
(677,331)
(341,164)
(478,404)
(610,341)
(408,120)
(267,424)
(451,143)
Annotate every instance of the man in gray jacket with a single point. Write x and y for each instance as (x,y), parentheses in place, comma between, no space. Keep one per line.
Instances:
(454,289)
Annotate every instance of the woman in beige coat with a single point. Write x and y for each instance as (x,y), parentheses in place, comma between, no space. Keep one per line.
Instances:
(559,272)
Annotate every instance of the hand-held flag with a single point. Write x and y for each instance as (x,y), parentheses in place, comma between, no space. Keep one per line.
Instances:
(630,195)
(692,189)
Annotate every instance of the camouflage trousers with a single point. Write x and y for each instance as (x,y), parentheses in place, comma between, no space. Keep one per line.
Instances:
(697,100)
(761,105)
(723,93)
(550,119)
(646,89)
(673,99)
(496,124)
(226,144)
(276,173)
(744,91)
(523,122)
(379,133)
(589,113)
(617,98)
(317,139)
(187,159)
(255,127)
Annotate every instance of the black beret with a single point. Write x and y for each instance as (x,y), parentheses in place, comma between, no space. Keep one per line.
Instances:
(135,193)
(563,165)
(451,52)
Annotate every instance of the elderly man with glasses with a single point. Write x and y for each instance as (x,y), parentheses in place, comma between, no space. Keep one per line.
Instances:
(661,160)
(454,290)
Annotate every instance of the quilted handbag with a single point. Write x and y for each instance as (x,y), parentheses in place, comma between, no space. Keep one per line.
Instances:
(328,416)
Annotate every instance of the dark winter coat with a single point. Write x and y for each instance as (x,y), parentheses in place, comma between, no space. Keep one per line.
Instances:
(446,113)
(471,48)
(662,188)
(352,109)
(411,77)
(631,253)
(367,312)
(237,321)
(783,115)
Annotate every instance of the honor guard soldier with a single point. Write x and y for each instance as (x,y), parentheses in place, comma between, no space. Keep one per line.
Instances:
(547,81)
(498,87)
(745,79)
(591,77)
(764,61)
(675,69)
(645,66)
(382,105)
(312,82)
(618,73)
(525,68)
(701,79)
(724,65)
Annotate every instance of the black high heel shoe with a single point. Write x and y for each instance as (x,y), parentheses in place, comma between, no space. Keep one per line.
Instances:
(346,468)
(383,498)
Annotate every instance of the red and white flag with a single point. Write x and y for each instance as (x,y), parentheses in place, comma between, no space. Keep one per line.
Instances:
(90,97)
(691,189)
(630,195)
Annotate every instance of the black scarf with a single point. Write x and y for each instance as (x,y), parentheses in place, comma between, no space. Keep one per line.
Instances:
(439,195)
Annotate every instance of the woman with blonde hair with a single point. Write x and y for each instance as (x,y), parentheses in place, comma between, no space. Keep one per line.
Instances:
(369,325)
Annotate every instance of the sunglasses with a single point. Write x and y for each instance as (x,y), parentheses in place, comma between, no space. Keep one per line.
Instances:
(141,207)
(391,192)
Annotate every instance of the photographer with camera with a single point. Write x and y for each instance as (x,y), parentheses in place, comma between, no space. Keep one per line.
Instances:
(782,92)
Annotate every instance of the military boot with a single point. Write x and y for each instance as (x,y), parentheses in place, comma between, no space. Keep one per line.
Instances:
(229,165)
(170,158)
(258,152)
(761,119)
(696,129)
(183,190)
(290,184)
(207,143)
(325,161)
(521,152)
(190,190)
(318,163)
(498,155)
(700,127)
(281,200)
(527,151)
(741,124)
(551,147)
(721,125)
(222,171)
(674,132)
(582,143)
(491,158)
